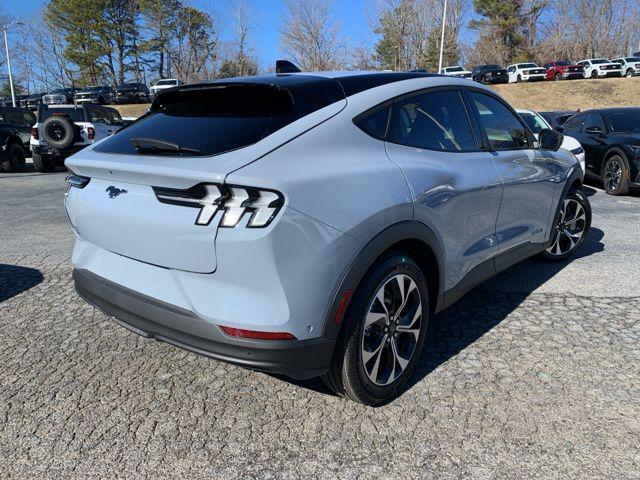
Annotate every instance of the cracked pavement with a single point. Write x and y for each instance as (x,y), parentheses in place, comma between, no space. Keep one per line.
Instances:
(535,374)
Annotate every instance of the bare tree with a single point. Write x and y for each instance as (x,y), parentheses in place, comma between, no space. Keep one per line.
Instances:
(310,34)
(239,57)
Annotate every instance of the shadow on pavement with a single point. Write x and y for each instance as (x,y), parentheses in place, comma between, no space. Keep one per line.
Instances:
(15,280)
(457,327)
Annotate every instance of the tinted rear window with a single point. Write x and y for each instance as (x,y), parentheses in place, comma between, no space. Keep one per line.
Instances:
(219,117)
(76,114)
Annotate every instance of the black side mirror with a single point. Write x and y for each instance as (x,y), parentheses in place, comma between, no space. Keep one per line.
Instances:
(550,140)
(594,131)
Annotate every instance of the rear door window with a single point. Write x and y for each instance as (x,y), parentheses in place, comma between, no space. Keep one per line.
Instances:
(374,122)
(503,129)
(435,120)
(575,123)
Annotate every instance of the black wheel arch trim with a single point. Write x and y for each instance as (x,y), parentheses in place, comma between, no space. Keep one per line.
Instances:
(355,273)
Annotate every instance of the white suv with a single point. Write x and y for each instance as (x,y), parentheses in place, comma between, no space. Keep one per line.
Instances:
(525,72)
(600,68)
(630,65)
(456,71)
(163,84)
(62,130)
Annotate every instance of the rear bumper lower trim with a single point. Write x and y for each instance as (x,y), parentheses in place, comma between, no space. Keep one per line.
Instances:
(151,318)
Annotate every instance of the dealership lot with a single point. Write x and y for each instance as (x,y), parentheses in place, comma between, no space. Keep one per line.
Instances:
(534,374)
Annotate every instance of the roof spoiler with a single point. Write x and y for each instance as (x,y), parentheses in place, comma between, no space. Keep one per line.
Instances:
(285,66)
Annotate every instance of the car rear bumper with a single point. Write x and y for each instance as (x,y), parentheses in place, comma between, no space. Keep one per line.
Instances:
(152,318)
(47,150)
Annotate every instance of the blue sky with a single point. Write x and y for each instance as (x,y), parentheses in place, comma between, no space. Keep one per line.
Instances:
(352,17)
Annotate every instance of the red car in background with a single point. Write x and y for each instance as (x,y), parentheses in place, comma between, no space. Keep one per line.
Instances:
(563,70)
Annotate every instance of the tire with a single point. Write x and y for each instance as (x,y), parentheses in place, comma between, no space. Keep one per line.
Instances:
(518,79)
(13,159)
(557,77)
(615,175)
(483,80)
(629,73)
(594,74)
(58,132)
(100,101)
(43,163)
(571,227)
(360,380)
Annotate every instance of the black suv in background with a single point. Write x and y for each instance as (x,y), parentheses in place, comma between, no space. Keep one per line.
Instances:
(59,96)
(32,101)
(15,131)
(490,74)
(132,93)
(611,141)
(100,94)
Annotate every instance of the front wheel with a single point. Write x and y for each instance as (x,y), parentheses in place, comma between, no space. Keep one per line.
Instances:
(557,77)
(629,73)
(13,159)
(615,175)
(594,74)
(43,163)
(518,79)
(383,332)
(571,227)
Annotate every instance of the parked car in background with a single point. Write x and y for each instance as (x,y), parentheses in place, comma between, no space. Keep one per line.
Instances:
(62,130)
(563,70)
(456,71)
(164,83)
(15,131)
(59,96)
(611,140)
(435,185)
(630,65)
(525,72)
(600,68)
(537,123)
(489,74)
(132,93)
(32,101)
(128,120)
(556,119)
(99,94)
(8,101)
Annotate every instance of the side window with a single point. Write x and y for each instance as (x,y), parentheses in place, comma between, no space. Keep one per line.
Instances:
(96,115)
(503,129)
(432,120)
(374,122)
(512,68)
(594,121)
(112,117)
(574,123)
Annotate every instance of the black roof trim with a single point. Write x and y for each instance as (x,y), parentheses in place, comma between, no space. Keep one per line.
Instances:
(353,84)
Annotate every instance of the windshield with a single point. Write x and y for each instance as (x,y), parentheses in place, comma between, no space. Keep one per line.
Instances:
(166,82)
(535,122)
(455,69)
(492,67)
(528,65)
(93,89)
(60,90)
(632,59)
(624,121)
(563,63)
(599,61)
(127,85)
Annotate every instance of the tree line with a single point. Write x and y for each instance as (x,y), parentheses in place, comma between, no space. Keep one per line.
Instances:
(75,42)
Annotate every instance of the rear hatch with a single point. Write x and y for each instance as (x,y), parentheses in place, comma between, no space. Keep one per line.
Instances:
(194,135)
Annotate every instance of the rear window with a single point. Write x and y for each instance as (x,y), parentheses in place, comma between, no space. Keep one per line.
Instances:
(219,117)
(76,114)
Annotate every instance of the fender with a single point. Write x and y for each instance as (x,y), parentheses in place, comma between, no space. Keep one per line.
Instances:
(407,230)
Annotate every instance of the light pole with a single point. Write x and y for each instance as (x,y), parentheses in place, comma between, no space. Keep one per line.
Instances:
(444,20)
(6,47)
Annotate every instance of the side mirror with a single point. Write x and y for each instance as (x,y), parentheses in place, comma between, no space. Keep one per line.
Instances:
(594,131)
(550,140)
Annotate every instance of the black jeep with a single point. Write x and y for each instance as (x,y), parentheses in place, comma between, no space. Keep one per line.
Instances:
(15,131)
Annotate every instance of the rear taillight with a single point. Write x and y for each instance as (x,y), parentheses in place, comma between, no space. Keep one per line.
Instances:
(34,133)
(254,335)
(234,201)
(91,133)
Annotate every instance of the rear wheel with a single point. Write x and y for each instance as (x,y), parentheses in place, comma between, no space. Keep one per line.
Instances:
(13,159)
(615,175)
(43,163)
(571,227)
(383,333)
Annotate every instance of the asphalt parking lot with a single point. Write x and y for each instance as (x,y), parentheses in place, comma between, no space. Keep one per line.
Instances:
(535,374)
